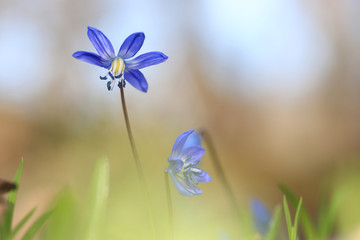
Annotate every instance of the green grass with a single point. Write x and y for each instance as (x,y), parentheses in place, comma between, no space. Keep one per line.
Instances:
(328,211)
(274,225)
(70,218)
(7,232)
(292,228)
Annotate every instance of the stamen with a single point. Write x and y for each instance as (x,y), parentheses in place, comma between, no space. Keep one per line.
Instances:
(103,78)
(112,77)
(123,84)
(118,76)
(108,85)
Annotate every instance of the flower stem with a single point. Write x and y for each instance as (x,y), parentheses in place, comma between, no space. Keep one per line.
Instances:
(137,162)
(170,208)
(220,172)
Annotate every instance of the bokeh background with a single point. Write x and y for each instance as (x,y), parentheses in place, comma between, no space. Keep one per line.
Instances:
(276,83)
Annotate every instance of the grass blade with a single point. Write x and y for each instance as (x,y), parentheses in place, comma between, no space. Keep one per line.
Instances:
(35,227)
(22,223)
(98,194)
(306,222)
(287,217)
(65,219)
(274,225)
(296,221)
(8,215)
(327,218)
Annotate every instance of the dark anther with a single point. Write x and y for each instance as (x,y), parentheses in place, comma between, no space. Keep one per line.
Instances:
(118,76)
(123,84)
(112,77)
(108,85)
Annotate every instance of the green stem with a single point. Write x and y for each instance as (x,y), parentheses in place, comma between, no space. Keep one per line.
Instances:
(137,162)
(221,174)
(170,208)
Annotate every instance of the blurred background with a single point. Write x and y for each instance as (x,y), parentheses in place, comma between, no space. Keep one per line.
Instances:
(276,83)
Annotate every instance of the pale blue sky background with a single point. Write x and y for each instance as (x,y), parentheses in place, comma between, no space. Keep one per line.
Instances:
(272,47)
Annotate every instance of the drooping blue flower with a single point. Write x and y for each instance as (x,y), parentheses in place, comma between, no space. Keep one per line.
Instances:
(121,66)
(261,216)
(182,166)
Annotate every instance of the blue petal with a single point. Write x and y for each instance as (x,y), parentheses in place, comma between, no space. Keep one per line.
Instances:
(179,143)
(131,45)
(175,165)
(91,58)
(201,175)
(192,154)
(145,60)
(184,186)
(101,43)
(136,78)
(261,216)
(193,140)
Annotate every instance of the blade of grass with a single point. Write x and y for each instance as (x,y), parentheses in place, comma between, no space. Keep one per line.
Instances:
(327,218)
(306,222)
(274,225)
(65,220)
(287,217)
(296,221)
(98,194)
(22,223)
(35,227)
(8,215)
(323,212)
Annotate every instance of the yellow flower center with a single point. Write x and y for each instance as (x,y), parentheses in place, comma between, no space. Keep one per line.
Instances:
(117,67)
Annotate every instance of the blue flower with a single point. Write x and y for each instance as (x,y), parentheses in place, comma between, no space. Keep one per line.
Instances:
(121,66)
(194,139)
(182,166)
(261,216)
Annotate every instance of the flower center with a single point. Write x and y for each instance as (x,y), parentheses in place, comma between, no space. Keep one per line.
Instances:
(117,67)
(116,72)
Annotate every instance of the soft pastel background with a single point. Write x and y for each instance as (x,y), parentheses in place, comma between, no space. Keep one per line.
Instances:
(275,82)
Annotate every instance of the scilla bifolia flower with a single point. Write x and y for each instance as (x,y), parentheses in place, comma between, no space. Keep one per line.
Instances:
(121,66)
(182,166)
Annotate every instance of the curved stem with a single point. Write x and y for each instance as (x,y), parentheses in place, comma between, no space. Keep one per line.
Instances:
(137,162)
(170,208)
(221,173)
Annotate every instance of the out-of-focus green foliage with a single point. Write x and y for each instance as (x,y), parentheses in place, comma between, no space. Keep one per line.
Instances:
(274,225)
(292,228)
(328,212)
(6,231)
(74,220)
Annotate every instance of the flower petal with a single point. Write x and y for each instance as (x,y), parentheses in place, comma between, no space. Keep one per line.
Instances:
(92,58)
(200,175)
(193,140)
(131,45)
(101,43)
(192,154)
(179,143)
(184,186)
(136,78)
(175,165)
(145,60)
